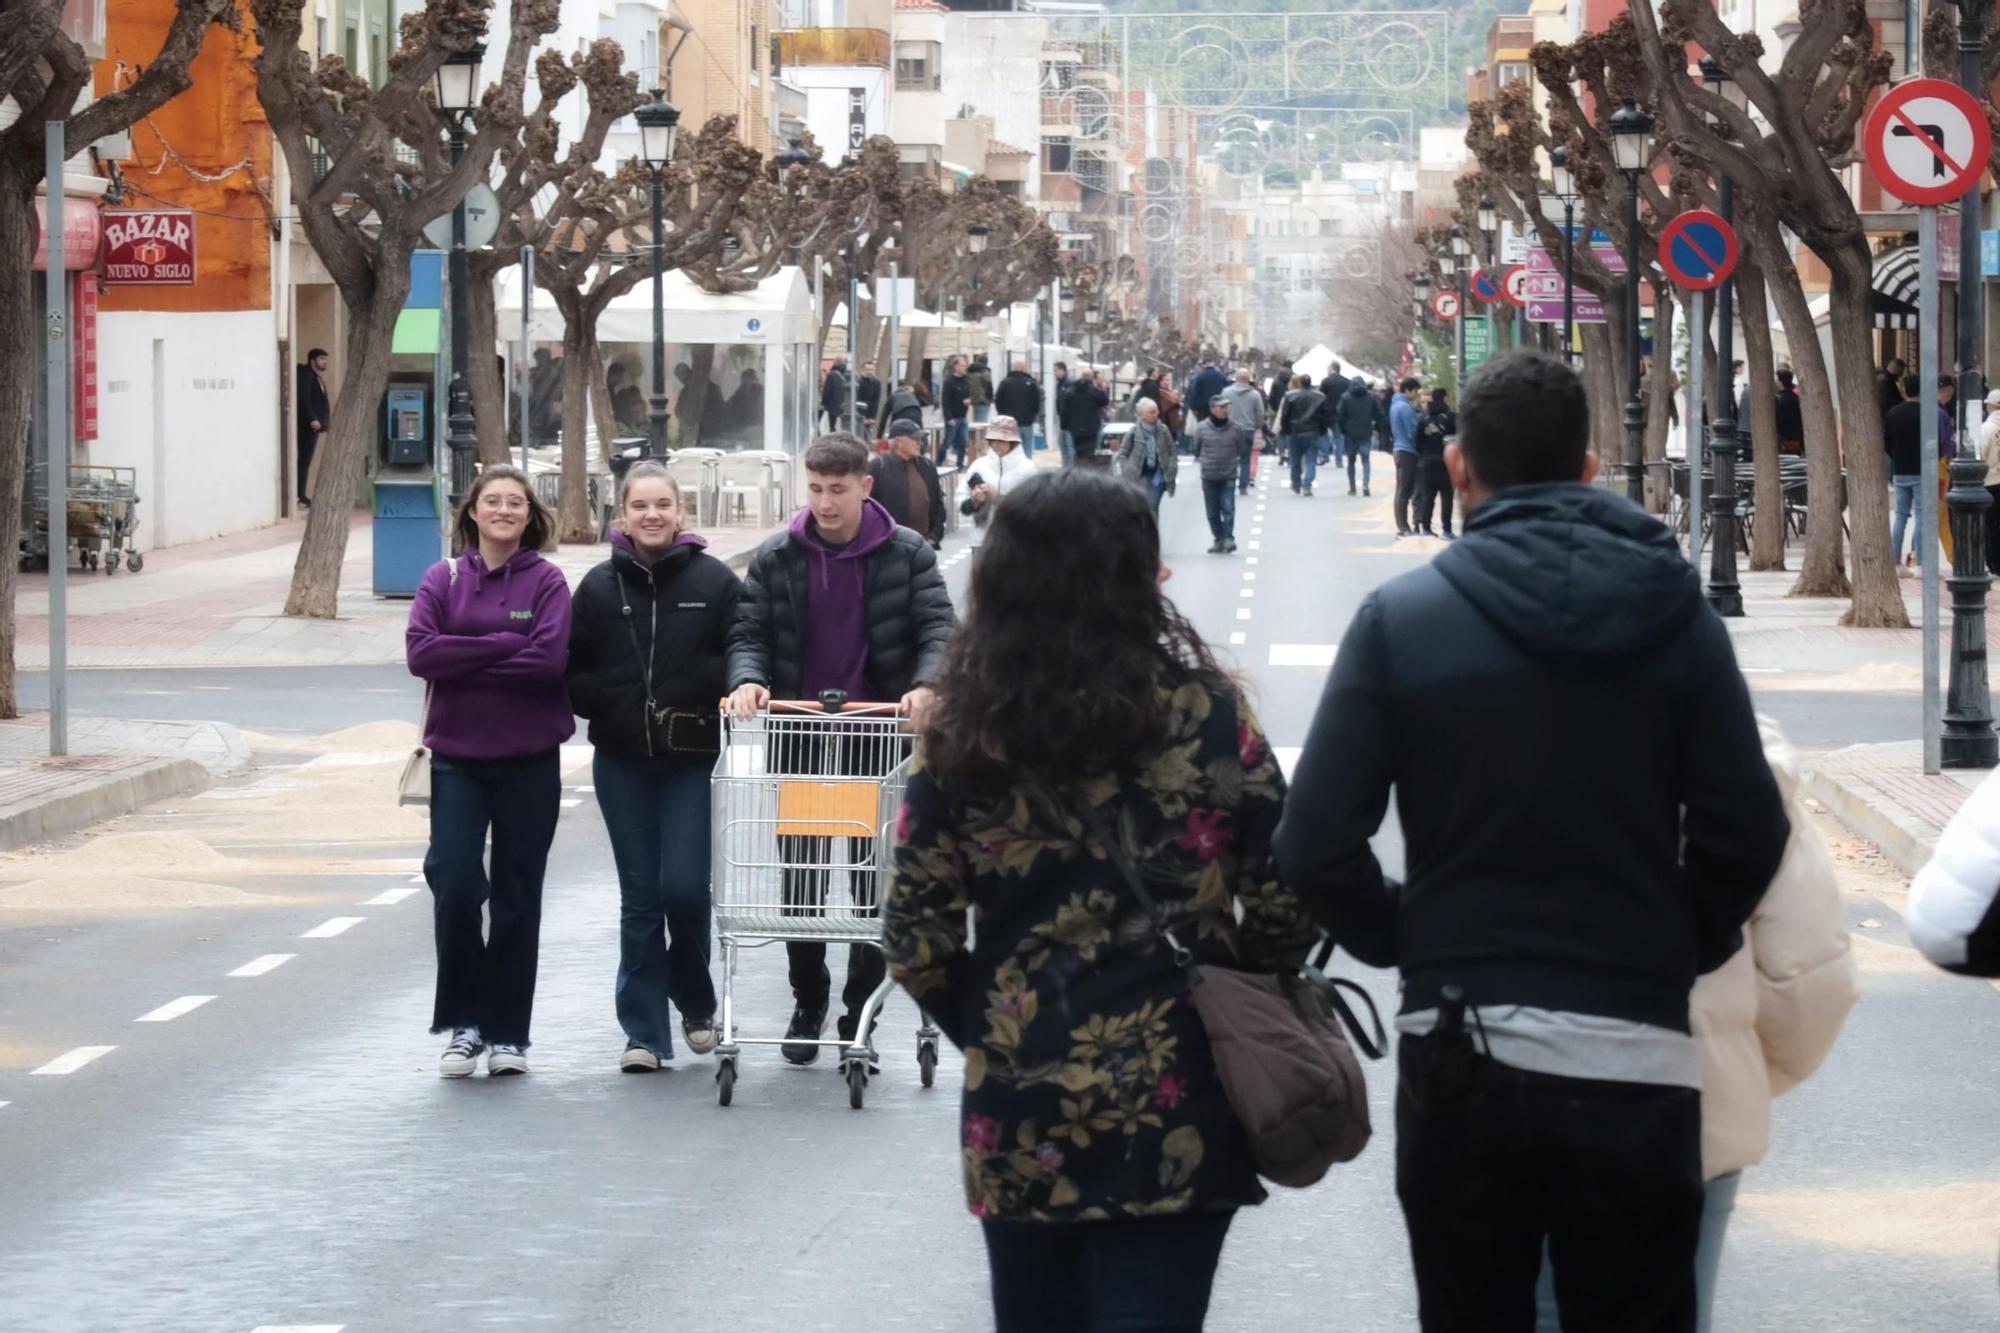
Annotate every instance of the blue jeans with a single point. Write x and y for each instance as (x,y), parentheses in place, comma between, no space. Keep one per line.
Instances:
(488,981)
(1243,467)
(1906,503)
(1328,444)
(1350,450)
(656,813)
(1068,445)
(1220,497)
(1138,1275)
(1718,1201)
(982,412)
(1305,460)
(1156,488)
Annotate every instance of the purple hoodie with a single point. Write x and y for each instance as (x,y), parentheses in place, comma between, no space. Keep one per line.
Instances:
(493,644)
(836,630)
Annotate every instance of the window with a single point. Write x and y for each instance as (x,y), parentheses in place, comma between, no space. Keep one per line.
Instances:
(1511,72)
(319,36)
(378,57)
(1058,76)
(918,66)
(1056,155)
(350,46)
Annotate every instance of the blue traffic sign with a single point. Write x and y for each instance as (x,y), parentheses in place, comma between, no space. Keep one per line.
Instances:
(1698,250)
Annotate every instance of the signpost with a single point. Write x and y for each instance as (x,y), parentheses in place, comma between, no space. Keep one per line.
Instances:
(1478,345)
(1445,305)
(1927,141)
(1698,251)
(1485,288)
(1514,285)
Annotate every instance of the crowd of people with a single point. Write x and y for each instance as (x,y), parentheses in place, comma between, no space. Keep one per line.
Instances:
(1612,959)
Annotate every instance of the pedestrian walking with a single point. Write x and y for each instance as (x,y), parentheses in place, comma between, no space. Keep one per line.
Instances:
(1889,384)
(1791,417)
(835,393)
(1083,417)
(1951,915)
(1355,416)
(906,483)
(1405,424)
(1149,387)
(1099,1150)
(1056,414)
(1149,456)
(1989,454)
(315,419)
(1765,1021)
(1220,445)
(646,649)
(1439,426)
(1562,892)
(1019,396)
(907,403)
(956,400)
(489,635)
(979,384)
(1302,422)
(1246,412)
(1001,469)
(848,603)
(867,396)
(1203,385)
(1902,440)
(1385,394)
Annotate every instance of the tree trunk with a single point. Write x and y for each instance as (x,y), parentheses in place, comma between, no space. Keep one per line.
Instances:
(1601,389)
(344,450)
(600,400)
(693,402)
(920,339)
(1659,482)
(19,347)
(489,405)
(1878,596)
(579,359)
(1767,542)
(1823,567)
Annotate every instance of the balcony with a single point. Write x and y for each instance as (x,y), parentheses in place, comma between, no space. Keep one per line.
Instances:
(832,46)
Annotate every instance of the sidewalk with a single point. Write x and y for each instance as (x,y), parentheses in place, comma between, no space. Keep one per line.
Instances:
(221,604)
(114,767)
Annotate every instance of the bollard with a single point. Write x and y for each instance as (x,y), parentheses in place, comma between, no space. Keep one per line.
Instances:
(1969,740)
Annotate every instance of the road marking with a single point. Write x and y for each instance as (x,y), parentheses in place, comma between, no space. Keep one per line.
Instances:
(1249,576)
(418,879)
(1242,613)
(1249,592)
(1303,654)
(71,1061)
(1763,671)
(572,804)
(173,1009)
(1239,637)
(582,787)
(257,967)
(1250,560)
(1287,757)
(388,897)
(5,1105)
(326,930)
(298,1328)
(1253,546)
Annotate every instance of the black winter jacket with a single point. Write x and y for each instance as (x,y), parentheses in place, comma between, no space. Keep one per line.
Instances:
(1019,397)
(1333,386)
(905,605)
(1587,814)
(1432,428)
(1356,415)
(682,611)
(1303,412)
(957,397)
(1083,410)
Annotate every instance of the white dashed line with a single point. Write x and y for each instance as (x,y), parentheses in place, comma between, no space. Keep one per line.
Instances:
(5,1105)
(1249,576)
(573,804)
(298,1328)
(257,967)
(1250,560)
(388,897)
(173,1009)
(1303,654)
(1242,613)
(326,930)
(1239,637)
(1253,546)
(418,879)
(71,1061)
(1249,592)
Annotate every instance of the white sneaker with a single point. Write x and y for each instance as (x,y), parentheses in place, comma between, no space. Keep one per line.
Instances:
(638,1060)
(506,1058)
(461,1058)
(699,1033)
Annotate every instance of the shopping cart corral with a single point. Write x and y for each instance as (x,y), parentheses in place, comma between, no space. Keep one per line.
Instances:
(806,801)
(102,513)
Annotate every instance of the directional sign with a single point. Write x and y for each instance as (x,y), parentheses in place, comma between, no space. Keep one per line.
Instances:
(1698,250)
(1514,284)
(1927,141)
(1445,305)
(1484,287)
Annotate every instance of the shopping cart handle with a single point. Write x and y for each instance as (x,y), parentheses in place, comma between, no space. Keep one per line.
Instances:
(811,706)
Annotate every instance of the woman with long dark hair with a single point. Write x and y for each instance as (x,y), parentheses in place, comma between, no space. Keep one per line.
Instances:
(489,632)
(1077,704)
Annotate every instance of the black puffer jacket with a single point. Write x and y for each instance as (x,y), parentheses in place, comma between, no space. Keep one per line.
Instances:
(904,604)
(1355,414)
(682,611)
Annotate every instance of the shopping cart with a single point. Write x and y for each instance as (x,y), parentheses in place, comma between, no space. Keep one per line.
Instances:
(102,514)
(806,800)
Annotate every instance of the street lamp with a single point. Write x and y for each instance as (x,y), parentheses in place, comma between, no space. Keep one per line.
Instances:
(975,245)
(1091,315)
(1632,148)
(1461,254)
(1420,293)
(1725,594)
(1489,224)
(791,156)
(1563,183)
(658,121)
(456,87)
(1067,301)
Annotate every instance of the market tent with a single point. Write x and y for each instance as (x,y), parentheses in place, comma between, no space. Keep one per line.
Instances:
(1322,359)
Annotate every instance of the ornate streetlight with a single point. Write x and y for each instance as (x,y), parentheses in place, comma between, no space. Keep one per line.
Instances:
(456,87)
(1725,594)
(1461,255)
(1632,148)
(1563,186)
(658,120)
(791,156)
(1489,226)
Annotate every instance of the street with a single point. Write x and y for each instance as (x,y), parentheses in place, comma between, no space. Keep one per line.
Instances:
(219,1107)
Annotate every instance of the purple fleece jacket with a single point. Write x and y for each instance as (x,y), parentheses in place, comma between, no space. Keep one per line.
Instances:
(836,637)
(493,644)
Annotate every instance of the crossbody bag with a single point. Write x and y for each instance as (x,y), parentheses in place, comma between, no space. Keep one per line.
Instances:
(676,731)
(413,785)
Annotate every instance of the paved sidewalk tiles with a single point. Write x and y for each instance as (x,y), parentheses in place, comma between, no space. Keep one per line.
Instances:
(115,767)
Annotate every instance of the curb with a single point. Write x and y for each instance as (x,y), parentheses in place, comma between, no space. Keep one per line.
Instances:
(117,793)
(1907,842)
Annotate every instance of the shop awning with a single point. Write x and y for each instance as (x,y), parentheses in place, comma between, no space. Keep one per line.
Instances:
(1895,283)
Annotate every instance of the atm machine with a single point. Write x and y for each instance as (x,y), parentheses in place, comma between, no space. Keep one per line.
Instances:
(409,504)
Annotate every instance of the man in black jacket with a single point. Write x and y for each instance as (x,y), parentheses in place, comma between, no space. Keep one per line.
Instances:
(867,394)
(1565,883)
(1020,397)
(906,484)
(1083,417)
(315,418)
(845,603)
(956,400)
(1354,413)
(834,393)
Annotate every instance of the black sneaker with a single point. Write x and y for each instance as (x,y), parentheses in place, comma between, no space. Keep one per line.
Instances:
(1229,548)
(1364,490)
(845,1026)
(808,1021)
(1215,547)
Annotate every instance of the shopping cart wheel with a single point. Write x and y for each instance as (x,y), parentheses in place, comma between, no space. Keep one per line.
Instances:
(857,1082)
(111,564)
(927,1058)
(725,1081)
(135,562)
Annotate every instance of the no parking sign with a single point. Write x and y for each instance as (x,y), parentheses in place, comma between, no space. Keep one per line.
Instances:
(1698,250)
(1485,288)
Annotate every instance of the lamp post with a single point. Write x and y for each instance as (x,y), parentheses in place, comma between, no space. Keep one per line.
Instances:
(1447,266)
(1565,189)
(1461,254)
(657,121)
(1420,294)
(456,86)
(975,245)
(1091,316)
(792,156)
(1632,145)
(1724,593)
(1489,225)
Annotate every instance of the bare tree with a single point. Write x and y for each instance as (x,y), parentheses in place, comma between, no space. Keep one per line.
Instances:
(42,73)
(386,177)
(1369,314)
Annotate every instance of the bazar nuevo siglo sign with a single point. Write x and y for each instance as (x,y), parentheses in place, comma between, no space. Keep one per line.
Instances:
(151,246)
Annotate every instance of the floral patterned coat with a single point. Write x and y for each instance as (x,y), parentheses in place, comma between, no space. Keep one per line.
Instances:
(1089,1088)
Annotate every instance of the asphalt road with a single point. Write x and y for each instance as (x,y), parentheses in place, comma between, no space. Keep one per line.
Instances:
(284,1155)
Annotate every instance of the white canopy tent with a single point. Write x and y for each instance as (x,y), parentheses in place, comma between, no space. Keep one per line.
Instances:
(1322,359)
(947,335)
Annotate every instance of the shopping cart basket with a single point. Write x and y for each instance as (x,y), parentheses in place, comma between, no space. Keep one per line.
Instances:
(806,800)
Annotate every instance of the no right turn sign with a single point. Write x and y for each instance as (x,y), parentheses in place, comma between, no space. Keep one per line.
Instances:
(1927,141)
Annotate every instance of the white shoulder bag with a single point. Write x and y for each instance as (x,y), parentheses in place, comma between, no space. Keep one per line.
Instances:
(414,786)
